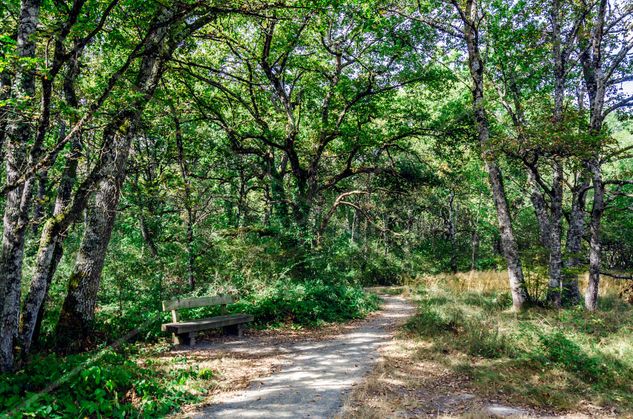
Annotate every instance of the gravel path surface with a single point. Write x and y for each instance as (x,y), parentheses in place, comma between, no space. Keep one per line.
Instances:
(316,376)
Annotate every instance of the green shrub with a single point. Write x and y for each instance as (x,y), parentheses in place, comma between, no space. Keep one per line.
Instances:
(87,385)
(485,340)
(307,303)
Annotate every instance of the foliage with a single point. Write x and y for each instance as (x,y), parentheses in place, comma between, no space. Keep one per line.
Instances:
(105,383)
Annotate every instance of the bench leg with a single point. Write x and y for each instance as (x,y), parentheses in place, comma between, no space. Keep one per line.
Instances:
(235,330)
(185,339)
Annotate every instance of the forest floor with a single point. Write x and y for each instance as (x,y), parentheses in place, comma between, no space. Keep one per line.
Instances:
(439,364)
(304,373)
(465,355)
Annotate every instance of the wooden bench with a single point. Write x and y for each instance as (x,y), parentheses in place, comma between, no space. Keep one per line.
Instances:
(184,332)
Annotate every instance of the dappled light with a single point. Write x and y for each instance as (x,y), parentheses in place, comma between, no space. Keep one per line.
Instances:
(314,208)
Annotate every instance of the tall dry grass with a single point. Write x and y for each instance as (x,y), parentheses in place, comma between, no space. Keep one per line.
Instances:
(497,281)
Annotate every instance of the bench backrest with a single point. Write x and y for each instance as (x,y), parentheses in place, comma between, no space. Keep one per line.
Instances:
(180,303)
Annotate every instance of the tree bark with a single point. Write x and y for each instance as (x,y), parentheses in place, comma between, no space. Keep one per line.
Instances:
(452,231)
(51,241)
(540,210)
(15,219)
(595,243)
(555,250)
(573,244)
(78,309)
(49,253)
(5,93)
(595,80)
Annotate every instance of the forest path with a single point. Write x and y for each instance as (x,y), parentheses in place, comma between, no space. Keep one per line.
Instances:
(316,376)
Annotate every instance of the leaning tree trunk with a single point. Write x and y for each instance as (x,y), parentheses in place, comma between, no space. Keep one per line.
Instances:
(17,201)
(51,240)
(78,309)
(77,313)
(508,243)
(49,253)
(510,249)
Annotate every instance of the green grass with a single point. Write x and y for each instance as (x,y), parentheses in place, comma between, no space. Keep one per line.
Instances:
(552,359)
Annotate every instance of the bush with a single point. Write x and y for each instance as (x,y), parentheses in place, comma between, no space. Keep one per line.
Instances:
(307,303)
(108,384)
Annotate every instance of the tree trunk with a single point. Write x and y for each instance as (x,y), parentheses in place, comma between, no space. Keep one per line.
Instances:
(17,202)
(452,231)
(573,245)
(595,244)
(508,243)
(5,93)
(474,250)
(476,66)
(51,241)
(278,191)
(49,253)
(77,313)
(540,210)
(596,82)
(556,231)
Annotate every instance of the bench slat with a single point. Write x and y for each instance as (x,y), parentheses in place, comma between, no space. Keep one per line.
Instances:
(204,324)
(180,303)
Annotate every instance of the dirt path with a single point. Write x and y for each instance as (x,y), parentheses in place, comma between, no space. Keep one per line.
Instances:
(315,376)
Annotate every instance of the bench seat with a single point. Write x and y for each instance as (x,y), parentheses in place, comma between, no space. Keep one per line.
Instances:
(184,332)
(189,326)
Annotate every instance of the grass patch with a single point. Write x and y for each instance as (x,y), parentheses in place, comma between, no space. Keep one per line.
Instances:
(552,359)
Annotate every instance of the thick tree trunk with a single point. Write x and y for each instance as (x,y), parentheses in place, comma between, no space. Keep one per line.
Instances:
(278,193)
(49,253)
(596,82)
(17,202)
(51,241)
(559,55)
(508,243)
(78,309)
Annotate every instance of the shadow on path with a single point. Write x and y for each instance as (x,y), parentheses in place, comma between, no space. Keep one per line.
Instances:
(317,376)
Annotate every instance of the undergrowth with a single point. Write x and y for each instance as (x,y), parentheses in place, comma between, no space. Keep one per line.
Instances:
(308,304)
(546,358)
(104,383)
